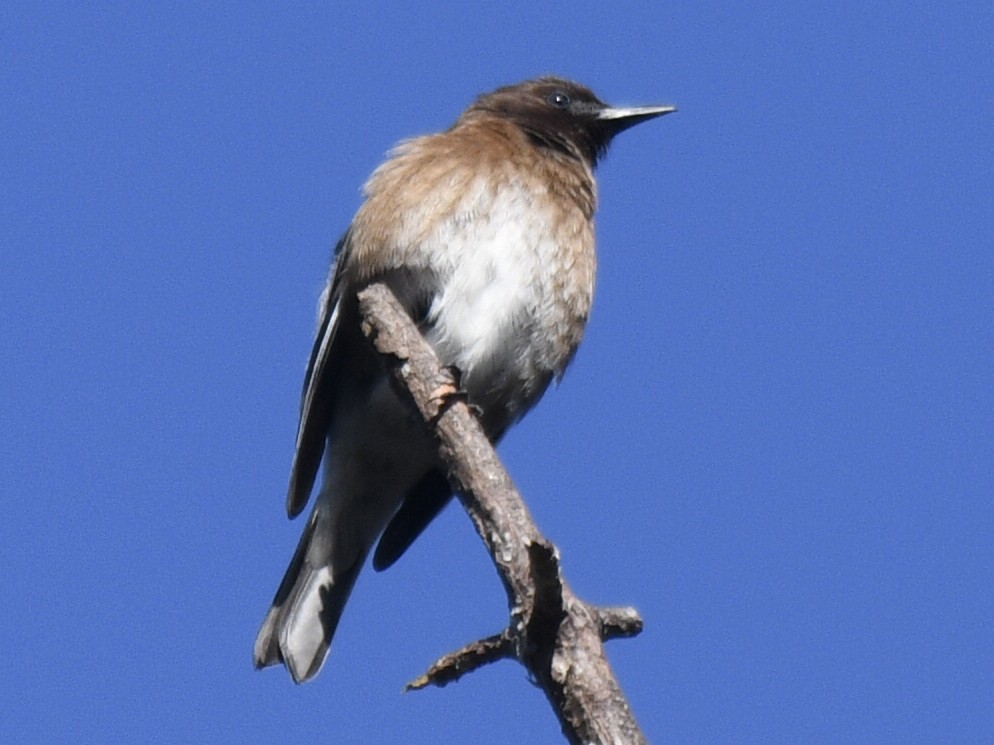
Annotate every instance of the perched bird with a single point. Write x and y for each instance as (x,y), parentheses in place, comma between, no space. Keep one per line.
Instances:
(485,234)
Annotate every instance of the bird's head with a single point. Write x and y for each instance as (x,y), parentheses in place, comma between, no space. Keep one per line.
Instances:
(563,115)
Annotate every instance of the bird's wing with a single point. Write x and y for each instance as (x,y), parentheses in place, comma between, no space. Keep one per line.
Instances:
(316,408)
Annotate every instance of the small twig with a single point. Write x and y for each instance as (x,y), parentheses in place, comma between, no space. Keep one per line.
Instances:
(453,666)
(618,623)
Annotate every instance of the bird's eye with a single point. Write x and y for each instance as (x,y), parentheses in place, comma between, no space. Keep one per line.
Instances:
(559,99)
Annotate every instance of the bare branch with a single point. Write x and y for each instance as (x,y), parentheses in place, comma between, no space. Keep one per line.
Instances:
(554,634)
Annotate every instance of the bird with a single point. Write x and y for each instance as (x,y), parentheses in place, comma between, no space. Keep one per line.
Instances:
(485,234)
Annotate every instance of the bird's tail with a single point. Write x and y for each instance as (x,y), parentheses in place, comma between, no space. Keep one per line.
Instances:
(298,628)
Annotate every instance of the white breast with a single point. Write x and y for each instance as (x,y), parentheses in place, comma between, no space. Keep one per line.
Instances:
(495,261)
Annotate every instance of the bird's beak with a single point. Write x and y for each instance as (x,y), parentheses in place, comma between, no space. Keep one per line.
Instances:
(620,118)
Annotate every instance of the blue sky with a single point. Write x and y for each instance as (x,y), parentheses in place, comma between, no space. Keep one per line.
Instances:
(776,441)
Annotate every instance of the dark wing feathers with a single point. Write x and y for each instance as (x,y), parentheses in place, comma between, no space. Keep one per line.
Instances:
(328,360)
(421,505)
(320,381)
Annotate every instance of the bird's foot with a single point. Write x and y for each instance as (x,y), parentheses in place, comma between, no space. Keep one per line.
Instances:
(449,393)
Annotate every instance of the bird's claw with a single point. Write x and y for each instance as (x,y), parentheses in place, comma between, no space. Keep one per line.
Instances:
(451,392)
